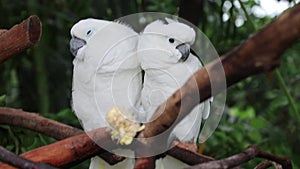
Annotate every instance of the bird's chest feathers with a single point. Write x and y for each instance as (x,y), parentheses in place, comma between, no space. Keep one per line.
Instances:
(171,78)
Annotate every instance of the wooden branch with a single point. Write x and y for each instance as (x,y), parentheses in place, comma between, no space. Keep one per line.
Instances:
(2,31)
(145,163)
(35,122)
(268,164)
(264,165)
(259,53)
(16,161)
(57,130)
(240,158)
(179,151)
(70,150)
(19,37)
(283,161)
(51,128)
(189,157)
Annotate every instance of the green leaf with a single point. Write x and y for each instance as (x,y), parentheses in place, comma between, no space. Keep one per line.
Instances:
(2,100)
(255,136)
(248,113)
(258,123)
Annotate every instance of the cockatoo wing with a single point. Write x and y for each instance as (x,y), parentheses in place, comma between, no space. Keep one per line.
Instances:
(106,74)
(162,53)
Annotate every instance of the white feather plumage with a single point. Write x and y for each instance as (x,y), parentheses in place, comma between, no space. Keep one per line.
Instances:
(106,74)
(164,74)
(108,65)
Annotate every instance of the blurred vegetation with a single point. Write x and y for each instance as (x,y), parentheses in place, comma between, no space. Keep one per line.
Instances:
(40,80)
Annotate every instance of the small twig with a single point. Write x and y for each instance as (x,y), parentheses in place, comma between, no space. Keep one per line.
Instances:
(283,161)
(240,158)
(264,165)
(16,161)
(230,162)
(282,84)
(276,165)
(19,37)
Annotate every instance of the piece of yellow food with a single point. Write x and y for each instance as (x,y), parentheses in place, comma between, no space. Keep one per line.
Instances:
(123,126)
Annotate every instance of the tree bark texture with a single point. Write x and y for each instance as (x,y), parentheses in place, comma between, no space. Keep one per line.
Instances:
(72,149)
(243,157)
(59,131)
(19,37)
(19,162)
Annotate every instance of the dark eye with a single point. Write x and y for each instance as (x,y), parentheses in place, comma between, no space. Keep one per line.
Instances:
(88,32)
(171,40)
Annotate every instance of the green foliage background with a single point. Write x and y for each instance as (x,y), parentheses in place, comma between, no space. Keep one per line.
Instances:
(39,80)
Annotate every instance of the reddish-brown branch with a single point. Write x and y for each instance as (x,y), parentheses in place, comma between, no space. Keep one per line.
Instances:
(230,162)
(240,158)
(51,128)
(35,122)
(73,149)
(264,165)
(16,161)
(81,147)
(283,161)
(189,157)
(145,163)
(19,37)
(57,130)
(2,31)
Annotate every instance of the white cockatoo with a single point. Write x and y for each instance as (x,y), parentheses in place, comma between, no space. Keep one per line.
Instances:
(106,74)
(164,53)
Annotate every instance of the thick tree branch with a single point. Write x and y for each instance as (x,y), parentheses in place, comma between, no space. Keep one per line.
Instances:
(283,161)
(240,158)
(51,128)
(57,130)
(2,31)
(19,37)
(35,122)
(16,161)
(190,157)
(259,53)
(145,163)
(70,150)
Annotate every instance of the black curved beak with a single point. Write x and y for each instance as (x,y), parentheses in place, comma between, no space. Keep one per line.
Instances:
(76,44)
(184,49)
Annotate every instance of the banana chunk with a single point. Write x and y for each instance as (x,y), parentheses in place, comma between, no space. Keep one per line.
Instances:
(123,126)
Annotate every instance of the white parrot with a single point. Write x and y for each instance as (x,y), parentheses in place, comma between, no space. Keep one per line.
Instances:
(164,53)
(106,74)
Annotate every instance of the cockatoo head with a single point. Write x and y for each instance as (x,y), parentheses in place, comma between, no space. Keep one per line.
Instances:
(82,32)
(172,38)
